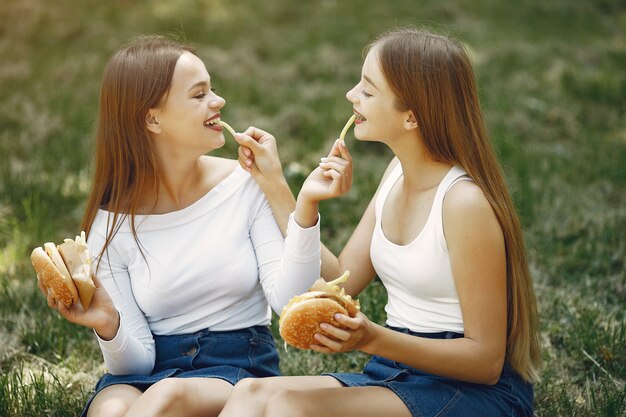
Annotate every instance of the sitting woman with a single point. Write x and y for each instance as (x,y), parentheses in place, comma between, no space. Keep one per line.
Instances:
(189,257)
(441,232)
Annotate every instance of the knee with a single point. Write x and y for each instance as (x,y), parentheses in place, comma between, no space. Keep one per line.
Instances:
(285,403)
(251,387)
(161,397)
(253,393)
(113,401)
(111,407)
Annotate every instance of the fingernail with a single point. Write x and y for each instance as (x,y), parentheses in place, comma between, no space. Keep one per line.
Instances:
(337,316)
(323,326)
(323,159)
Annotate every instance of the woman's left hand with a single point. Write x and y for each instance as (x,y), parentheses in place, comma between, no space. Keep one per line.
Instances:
(357,332)
(332,178)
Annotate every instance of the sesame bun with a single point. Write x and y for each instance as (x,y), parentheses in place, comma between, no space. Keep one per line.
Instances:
(76,256)
(301,317)
(53,274)
(66,270)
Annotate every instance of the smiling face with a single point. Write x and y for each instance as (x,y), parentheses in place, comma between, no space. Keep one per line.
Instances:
(189,113)
(378,118)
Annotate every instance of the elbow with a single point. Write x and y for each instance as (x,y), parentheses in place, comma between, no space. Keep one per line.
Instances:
(144,370)
(131,367)
(493,371)
(136,369)
(277,303)
(277,309)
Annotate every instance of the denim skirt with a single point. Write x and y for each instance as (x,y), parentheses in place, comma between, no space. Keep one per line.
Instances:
(428,395)
(227,355)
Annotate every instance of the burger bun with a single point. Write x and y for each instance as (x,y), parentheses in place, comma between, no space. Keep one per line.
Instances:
(301,321)
(65,270)
(301,317)
(53,274)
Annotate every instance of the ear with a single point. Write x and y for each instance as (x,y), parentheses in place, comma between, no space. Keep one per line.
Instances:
(152,123)
(410,122)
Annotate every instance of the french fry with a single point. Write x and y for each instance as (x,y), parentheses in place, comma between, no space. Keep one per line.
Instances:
(343,278)
(342,135)
(228,127)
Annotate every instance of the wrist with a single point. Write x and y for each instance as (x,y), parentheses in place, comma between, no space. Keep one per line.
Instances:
(275,186)
(271,177)
(372,339)
(108,330)
(306,213)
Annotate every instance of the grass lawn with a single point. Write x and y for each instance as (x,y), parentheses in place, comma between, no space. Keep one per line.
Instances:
(552,83)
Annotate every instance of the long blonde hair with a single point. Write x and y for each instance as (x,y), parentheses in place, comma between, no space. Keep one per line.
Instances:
(432,76)
(136,79)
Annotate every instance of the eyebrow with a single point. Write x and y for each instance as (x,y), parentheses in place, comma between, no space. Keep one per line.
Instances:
(198,84)
(369,80)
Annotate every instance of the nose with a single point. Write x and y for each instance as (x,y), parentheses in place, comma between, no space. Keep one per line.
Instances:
(216,102)
(351,95)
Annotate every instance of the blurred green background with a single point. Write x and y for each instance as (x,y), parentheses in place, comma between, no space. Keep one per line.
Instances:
(552,82)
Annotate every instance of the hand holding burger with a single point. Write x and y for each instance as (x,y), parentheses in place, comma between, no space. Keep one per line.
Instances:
(301,317)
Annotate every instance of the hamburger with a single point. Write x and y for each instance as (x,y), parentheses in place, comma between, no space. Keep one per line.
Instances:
(65,270)
(301,317)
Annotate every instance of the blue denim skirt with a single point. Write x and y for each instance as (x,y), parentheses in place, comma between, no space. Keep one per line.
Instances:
(428,395)
(227,355)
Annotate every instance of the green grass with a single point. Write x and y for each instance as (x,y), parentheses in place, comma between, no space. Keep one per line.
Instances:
(552,83)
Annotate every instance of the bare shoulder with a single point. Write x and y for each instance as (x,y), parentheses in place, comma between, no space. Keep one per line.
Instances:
(466,209)
(465,195)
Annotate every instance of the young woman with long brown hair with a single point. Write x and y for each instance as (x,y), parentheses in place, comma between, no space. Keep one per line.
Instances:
(188,255)
(441,232)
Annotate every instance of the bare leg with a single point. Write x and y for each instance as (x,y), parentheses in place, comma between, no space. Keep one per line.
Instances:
(113,401)
(310,396)
(182,397)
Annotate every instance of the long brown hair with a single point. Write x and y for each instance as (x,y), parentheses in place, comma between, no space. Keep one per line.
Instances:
(136,79)
(432,76)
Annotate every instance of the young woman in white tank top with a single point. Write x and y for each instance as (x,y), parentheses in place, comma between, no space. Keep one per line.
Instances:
(418,276)
(461,338)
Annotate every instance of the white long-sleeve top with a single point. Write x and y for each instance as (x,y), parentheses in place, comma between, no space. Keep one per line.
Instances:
(218,264)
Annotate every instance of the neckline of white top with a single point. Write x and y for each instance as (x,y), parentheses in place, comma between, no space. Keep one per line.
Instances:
(212,199)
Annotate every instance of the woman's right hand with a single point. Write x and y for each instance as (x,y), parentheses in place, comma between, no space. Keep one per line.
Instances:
(357,332)
(102,316)
(259,156)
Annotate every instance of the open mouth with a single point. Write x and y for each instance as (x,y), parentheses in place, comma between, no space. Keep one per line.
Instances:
(214,123)
(359,117)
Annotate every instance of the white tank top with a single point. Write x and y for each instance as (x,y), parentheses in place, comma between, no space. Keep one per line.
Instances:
(418,277)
